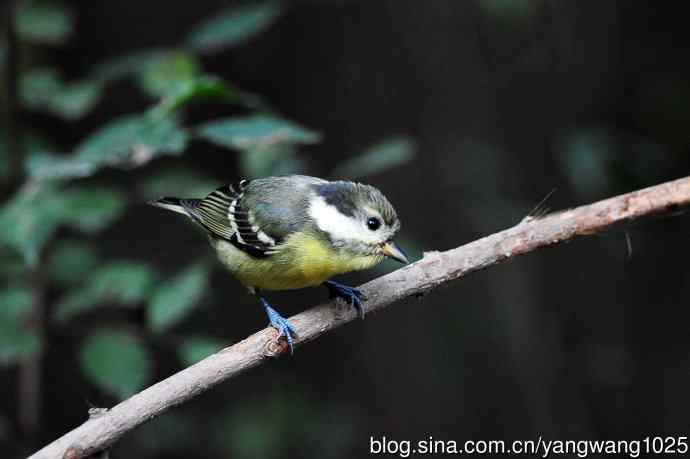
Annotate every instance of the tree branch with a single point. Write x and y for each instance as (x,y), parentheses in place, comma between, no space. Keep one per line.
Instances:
(435,269)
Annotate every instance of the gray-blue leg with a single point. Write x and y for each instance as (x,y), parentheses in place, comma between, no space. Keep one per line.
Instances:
(279,323)
(349,294)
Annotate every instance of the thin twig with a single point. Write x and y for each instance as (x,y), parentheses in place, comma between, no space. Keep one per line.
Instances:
(434,270)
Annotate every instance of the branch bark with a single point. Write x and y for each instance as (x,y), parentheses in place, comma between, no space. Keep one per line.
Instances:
(434,270)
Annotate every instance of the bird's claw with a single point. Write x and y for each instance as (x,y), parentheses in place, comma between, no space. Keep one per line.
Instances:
(281,324)
(351,295)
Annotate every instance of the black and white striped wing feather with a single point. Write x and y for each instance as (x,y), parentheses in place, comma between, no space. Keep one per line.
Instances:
(223,215)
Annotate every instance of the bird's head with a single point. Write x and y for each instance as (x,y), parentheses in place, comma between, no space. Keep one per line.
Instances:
(357,218)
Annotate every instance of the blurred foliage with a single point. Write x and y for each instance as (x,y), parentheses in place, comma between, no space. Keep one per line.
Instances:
(187,183)
(16,341)
(33,215)
(279,159)
(132,141)
(56,195)
(200,88)
(256,132)
(91,209)
(67,201)
(28,220)
(15,302)
(126,142)
(175,298)
(116,361)
(42,89)
(71,261)
(379,158)
(31,143)
(71,208)
(587,156)
(133,64)
(164,73)
(44,22)
(266,143)
(234,26)
(123,282)
(596,159)
(265,427)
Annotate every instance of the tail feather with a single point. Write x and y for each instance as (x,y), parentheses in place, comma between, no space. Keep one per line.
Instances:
(181,206)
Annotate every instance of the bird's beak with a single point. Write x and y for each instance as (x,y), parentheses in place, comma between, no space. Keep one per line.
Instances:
(391,250)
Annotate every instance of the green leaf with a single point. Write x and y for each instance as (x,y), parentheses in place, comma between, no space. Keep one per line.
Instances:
(234,26)
(260,131)
(195,348)
(44,22)
(71,261)
(43,89)
(15,303)
(123,282)
(34,213)
(206,87)
(75,100)
(165,73)
(174,76)
(31,144)
(129,141)
(133,140)
(91,209)
(12,265)
(17,342)
(77,301)
(116,362)
(383,156)
(127,65)
(38,85)
(29,219)
(50,166)
(177,297)
(181,181)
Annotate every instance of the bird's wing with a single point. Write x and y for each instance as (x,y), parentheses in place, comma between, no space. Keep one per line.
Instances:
(280,205)
(224,214)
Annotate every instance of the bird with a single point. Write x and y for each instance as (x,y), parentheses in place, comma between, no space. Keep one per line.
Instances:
(295,231)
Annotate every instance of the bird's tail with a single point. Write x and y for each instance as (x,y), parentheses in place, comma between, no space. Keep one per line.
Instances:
(181,206)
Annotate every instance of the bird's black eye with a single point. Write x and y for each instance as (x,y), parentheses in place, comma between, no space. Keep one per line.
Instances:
(373,223)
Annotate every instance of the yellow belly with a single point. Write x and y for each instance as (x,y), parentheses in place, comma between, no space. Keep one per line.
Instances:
(303,261)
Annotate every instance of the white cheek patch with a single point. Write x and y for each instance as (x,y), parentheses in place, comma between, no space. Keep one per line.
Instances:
(339,226)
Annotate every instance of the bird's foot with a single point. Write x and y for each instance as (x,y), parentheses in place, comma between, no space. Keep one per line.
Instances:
(280,323)
(351,295)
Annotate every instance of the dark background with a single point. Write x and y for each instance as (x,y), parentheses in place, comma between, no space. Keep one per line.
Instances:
(586,340)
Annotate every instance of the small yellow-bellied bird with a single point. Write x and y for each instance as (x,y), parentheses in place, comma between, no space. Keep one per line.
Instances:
(283,233)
